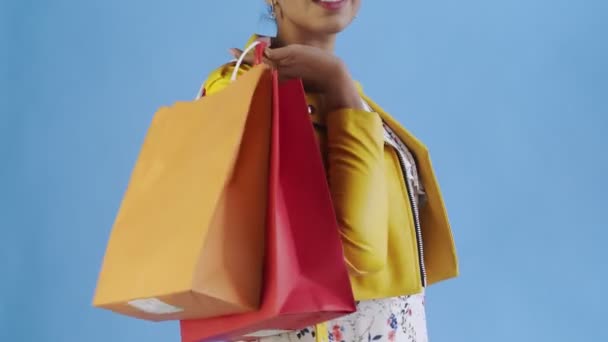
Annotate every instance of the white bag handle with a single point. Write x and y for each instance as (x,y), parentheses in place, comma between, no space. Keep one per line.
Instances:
(239,62)
(235,72)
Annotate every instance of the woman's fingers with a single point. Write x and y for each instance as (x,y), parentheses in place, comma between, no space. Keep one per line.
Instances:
(278,59)
(236,53)
(270,63)
(282,53)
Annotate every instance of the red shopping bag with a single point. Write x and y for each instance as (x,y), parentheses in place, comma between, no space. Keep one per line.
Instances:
(306,280)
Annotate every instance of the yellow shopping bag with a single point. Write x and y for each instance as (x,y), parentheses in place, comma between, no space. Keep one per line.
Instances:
(188,241)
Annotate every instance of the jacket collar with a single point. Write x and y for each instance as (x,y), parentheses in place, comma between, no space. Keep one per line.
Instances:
(408,138)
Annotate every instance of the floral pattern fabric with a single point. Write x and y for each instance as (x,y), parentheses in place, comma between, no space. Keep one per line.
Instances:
(399,319)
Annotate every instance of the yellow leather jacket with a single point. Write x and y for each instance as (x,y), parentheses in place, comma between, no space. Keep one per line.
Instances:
(371,201)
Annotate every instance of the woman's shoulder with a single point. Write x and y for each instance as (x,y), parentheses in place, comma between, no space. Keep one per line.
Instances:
(220,77)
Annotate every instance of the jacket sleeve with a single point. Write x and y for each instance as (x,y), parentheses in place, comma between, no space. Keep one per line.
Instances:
(355,143)
(355,169)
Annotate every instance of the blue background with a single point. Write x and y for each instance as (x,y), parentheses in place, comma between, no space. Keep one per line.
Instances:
(510,96)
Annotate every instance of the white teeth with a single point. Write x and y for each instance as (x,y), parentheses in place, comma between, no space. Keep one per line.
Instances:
(331,0)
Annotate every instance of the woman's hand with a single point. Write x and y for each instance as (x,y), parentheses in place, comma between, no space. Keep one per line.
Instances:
(319,70)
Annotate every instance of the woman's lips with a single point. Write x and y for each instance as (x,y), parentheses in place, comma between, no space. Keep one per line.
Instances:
(332,5)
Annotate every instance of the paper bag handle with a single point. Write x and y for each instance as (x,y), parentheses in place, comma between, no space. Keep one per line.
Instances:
(259,46)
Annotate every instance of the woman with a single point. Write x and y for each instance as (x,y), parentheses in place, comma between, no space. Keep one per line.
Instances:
(394,227)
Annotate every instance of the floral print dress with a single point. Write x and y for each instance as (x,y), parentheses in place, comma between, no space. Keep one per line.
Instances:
(398,319)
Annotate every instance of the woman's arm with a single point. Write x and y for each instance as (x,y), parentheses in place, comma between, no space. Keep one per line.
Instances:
(355,143)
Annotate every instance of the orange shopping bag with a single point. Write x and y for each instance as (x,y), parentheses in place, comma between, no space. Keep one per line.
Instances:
(188,241)
(306,280)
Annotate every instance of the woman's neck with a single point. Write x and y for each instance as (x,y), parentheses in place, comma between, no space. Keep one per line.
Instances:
(288,36)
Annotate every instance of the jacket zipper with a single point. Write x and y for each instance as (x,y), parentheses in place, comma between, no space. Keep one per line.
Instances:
(411,194)
(415,214)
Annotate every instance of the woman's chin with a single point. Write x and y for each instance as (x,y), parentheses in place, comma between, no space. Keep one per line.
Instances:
(333,26)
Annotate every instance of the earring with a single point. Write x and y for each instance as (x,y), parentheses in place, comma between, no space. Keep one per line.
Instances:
(273,15)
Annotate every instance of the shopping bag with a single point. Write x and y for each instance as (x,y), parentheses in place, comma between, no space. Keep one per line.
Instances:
(188,241)
(306,280)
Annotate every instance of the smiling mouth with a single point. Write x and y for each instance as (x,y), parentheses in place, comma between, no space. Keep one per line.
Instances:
(332,5)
